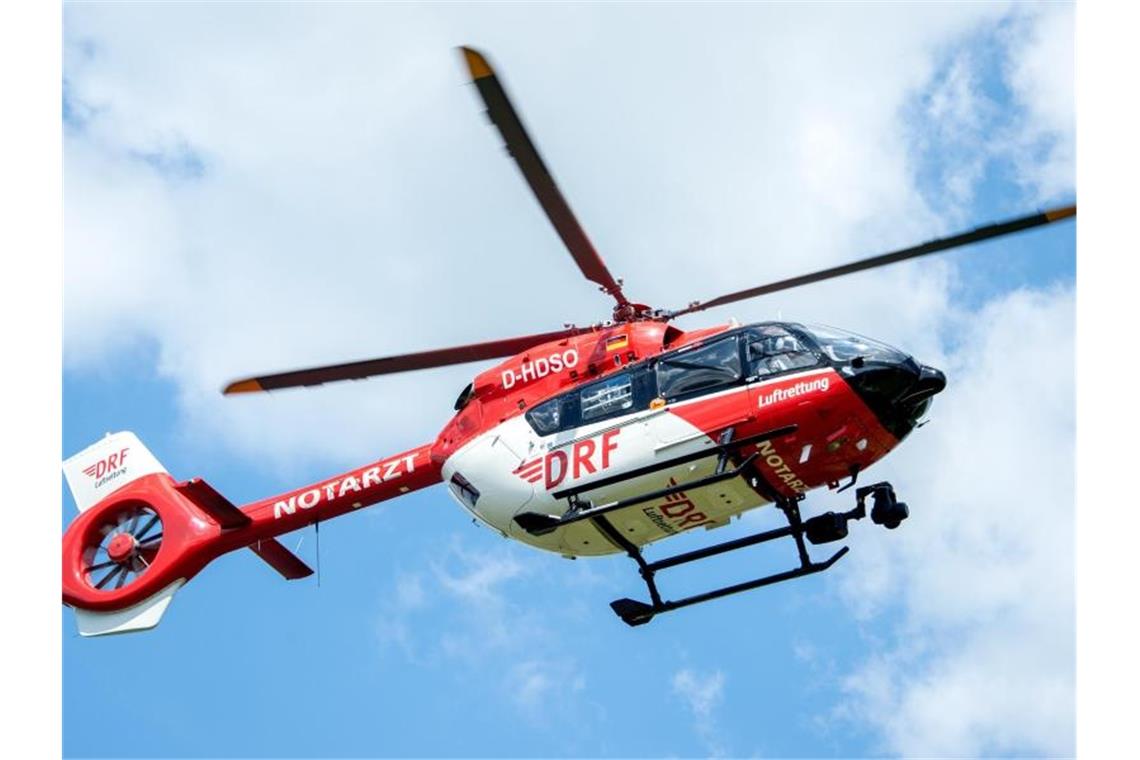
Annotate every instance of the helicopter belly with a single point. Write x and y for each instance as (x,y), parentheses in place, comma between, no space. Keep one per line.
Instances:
(513,471)
(659,437)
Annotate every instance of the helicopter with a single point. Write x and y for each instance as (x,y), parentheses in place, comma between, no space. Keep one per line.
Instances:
(585,441)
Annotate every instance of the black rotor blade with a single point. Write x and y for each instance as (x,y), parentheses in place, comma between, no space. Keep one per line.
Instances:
(440,357)
(150,524)
(525,154)
(108,577)
(934,246)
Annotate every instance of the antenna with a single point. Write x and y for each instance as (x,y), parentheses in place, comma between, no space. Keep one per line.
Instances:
(317,529)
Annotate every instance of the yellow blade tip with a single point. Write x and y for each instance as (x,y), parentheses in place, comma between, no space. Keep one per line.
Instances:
(476,63)
(243,386)
(1061,213)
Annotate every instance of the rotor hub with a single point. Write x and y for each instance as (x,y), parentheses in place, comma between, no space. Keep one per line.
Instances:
(122,547)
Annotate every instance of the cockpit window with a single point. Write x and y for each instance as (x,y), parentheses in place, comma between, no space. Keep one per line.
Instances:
(703,369)
(772,350)
(843,346)
(610,396)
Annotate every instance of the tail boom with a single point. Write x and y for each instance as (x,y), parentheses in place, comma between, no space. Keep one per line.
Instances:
(386,479)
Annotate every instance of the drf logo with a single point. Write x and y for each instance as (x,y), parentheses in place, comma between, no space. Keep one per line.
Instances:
(540,367)
(108,464)
(583,458)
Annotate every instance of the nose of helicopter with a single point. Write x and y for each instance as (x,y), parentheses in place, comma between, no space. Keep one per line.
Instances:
(891,383)
(898,392)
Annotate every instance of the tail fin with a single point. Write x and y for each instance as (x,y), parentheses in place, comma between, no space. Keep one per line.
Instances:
(106,466)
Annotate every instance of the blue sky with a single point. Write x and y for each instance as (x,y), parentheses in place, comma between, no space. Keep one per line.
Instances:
(259,187)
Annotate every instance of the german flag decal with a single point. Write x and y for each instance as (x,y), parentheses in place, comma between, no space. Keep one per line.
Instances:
(617,342)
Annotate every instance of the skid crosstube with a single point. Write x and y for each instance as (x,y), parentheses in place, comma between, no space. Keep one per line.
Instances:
(821,529)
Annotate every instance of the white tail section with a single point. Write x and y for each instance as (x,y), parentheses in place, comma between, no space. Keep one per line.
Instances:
(139,617)
(106,466)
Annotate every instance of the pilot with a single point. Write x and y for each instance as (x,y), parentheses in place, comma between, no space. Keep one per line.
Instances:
(770,354)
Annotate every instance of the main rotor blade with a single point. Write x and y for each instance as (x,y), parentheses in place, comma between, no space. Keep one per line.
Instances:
(525,154)
(934,246)
(440,357)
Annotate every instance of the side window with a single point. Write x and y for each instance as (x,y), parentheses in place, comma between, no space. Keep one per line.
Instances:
(622,393)
(772,350)
(547,417)
(702,370)
(609,397)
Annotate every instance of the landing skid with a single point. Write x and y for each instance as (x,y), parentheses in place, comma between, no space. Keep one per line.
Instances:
(825,528)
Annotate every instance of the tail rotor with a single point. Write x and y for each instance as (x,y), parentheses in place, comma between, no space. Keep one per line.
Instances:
(123,547)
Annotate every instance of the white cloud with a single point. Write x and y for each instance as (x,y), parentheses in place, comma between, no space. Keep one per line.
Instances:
(479,580)
(1041,75)
(468,589)
(983,660)
(702,694)
(541,689)
(958,117)
(410,592)
(466,599)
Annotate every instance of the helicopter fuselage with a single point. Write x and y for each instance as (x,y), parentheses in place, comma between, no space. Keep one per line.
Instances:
(621,400)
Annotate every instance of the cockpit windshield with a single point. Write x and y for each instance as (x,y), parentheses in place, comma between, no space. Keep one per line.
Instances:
(843,346)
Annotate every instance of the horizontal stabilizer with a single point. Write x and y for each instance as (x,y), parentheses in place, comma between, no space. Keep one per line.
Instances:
(281,559)
(138,617)
(218,507)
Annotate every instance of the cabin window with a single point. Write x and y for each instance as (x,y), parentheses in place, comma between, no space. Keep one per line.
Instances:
(701,370)
(546,418)
(773,350)
(607,398)
(613,396)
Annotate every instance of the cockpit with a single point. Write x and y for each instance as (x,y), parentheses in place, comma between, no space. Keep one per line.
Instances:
(772,349)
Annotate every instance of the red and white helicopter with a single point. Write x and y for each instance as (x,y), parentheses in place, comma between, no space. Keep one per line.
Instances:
(584,441)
